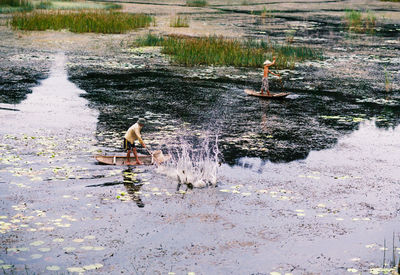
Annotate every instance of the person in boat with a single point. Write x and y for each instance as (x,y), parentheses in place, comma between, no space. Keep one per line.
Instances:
(265,84)
(131,136)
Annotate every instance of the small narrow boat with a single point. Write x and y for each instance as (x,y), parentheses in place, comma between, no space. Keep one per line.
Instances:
(265,95)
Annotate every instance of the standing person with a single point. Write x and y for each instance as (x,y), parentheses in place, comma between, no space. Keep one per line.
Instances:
(131,135)
(265,84)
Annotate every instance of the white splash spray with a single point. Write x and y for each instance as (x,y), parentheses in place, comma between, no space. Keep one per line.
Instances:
(194,167)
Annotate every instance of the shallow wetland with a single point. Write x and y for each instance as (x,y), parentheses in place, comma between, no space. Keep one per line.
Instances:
(305,185)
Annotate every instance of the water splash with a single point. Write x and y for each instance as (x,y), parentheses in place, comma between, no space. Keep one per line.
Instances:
(194,167)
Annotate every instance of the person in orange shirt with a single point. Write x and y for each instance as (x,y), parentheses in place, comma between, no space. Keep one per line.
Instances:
(131,136)
(265,84)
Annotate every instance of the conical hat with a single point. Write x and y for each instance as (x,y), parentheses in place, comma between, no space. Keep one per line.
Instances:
(267,62)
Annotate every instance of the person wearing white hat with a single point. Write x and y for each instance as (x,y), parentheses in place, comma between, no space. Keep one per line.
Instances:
(265,84)
(131,135)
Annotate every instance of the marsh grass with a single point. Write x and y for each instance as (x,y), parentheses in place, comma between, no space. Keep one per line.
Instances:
(290,36)
(8,6)
(80,22)
(44,5)
(179,21)
(360,22)
(388,81)
(82,5)
(390,265)
(112,6)
(219,51)
(11,6)
(196,3)
(265,13)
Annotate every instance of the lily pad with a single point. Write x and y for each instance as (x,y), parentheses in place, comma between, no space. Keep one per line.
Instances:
(53,268)
(58,240)
(93,266)
(76,269)
(78,240)
(37,243)
(6,266)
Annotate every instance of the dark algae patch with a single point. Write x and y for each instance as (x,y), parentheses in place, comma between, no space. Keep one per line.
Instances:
(279,131)
(17,77)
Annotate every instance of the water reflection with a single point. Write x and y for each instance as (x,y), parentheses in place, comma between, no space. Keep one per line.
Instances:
(132,186)
(54,105)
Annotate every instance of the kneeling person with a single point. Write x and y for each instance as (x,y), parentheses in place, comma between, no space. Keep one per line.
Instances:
(131,135)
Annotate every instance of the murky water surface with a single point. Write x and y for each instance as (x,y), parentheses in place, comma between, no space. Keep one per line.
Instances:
(325,211)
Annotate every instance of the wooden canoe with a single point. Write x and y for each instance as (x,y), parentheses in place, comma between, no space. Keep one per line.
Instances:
(265,95)
(158,157)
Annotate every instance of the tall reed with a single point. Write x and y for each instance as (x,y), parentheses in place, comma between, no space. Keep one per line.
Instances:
(219,51)
(7,6)
(15,3)
(179,21)
(360,22)
(196,3)
(82,21)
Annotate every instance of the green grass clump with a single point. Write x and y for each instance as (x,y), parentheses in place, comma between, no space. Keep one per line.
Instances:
(12,6)
(8,6)
(80,22)
(44,5)
(179,22)
(83,5)
(390,1)
(266,13)
(196,3)
(360,22)
(15,3)
(112,6)
(149,40)
(219,51)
